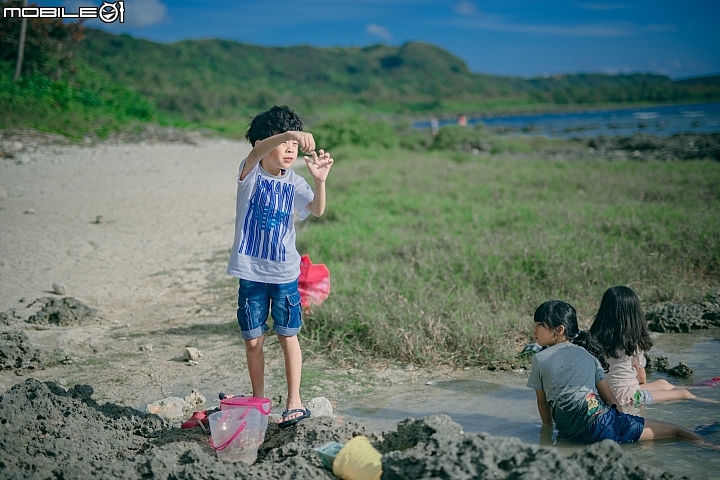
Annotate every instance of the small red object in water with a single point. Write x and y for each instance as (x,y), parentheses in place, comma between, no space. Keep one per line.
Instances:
(713,382)
(313,283)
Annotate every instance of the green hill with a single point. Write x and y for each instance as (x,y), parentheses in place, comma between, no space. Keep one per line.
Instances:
(202,80)
(76,81)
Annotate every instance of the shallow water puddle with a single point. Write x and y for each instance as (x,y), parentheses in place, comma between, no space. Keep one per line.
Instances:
(484,406)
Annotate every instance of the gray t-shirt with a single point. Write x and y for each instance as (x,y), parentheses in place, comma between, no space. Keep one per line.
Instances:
(567,374)
(264,247)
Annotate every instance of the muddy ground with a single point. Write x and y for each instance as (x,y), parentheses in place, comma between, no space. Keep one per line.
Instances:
(50,432)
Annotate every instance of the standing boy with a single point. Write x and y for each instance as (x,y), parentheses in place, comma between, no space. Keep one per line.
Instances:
(264,256)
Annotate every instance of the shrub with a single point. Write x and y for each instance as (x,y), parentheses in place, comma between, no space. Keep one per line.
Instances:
(457,137)
(87,103)
(354,131)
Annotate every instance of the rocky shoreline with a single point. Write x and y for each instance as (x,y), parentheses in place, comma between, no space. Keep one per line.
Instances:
(47,431)
(21,145)
(683,146)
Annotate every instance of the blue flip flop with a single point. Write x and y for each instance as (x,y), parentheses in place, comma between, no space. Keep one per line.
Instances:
(287,423)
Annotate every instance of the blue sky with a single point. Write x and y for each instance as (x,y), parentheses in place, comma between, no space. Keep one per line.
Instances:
(509,37)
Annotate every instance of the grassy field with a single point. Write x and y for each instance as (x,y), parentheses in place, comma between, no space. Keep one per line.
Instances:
(440,257)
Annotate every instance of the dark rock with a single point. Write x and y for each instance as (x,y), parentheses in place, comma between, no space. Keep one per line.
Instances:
(16,353)
(680,317)
(656,363)
(11,317)
(681,371)
(531,349)
(681,146)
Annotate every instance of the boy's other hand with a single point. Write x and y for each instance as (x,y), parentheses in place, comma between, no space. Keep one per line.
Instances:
(319,165)
(306,142)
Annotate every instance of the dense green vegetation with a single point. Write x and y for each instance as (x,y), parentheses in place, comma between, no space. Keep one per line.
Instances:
(88,103)
(221,80)
(54,93)
(443,257)
(358,132)
(78,80)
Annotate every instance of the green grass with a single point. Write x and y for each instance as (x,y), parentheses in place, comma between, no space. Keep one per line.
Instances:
(438,260)
(89,104)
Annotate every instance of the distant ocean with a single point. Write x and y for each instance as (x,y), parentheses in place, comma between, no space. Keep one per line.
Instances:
(665,120)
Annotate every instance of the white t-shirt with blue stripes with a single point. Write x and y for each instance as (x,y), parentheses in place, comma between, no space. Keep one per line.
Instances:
(264,247)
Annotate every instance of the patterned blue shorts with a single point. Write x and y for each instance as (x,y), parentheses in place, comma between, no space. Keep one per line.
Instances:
(613,425)
(257,299)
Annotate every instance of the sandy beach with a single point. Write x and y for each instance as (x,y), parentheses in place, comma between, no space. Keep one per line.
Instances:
(141,233)
(136,231)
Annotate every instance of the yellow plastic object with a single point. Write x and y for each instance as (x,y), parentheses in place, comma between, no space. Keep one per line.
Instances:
(358,460)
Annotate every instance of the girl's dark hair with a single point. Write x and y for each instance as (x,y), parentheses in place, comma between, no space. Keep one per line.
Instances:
(271,122)
(619,323)
(554,313)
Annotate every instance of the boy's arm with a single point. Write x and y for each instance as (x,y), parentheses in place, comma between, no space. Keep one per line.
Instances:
(317,206)
(544,407)
(305,140)
(319,167)
(606,394)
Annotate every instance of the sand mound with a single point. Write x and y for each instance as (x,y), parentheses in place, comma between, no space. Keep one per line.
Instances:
(47,431)
(439,451)
(65,311)
(16,353)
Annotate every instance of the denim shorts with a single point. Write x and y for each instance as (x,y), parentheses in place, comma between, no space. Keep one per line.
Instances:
(613,425)
(257,299)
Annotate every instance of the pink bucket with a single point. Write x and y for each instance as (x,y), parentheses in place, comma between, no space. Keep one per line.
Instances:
(235,434)
(261,404)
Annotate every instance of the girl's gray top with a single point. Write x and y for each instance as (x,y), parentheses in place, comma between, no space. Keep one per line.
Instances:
(568,374)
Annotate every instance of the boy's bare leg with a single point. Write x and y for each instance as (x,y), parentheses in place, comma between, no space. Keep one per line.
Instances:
(256,364)
(293,372)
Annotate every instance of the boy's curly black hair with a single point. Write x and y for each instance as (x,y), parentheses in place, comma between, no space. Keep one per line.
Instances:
(271,122)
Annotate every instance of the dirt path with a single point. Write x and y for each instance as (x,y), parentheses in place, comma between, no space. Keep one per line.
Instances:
(140,232)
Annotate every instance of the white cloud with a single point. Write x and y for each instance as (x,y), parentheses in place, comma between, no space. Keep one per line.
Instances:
(379,31)
(143,13)
(616,70)
(603,6)
(465,7)
(138,13)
